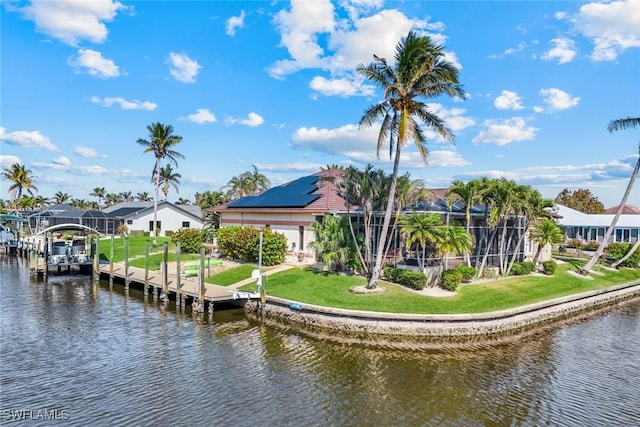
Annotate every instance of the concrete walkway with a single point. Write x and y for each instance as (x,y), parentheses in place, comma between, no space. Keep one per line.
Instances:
(279,268)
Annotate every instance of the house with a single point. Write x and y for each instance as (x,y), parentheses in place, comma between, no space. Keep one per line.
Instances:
(592,227)
(66,214)
(291,208)
(138,216)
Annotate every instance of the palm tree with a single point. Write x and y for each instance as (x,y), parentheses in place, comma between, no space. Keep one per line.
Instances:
(111,199)
(420,71)
(21,179)
(629,122)
(167,178)
(421,229)
(332,243)
(453,239)
(125,196)
(161,143)
(546,232)
(61,197)
(468,194)
(143,197)
(98,192)
(247,184)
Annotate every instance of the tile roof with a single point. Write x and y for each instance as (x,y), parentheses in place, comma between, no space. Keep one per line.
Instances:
(628,210)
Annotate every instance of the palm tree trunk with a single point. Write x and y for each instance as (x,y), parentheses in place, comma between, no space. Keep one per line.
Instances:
(155,203)
(486,252)
(375,274)
(605,241)
(628,255)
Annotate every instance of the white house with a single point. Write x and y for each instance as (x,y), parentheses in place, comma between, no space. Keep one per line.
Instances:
(592,227)
(138,216)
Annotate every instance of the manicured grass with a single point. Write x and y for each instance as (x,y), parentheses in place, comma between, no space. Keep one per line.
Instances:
(137,247)
(313,287)
(156,258)
(232,275)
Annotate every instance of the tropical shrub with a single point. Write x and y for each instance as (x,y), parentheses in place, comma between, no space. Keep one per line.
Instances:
(549,267)
(190,240)
(169,233)
(243,243)
(451,279)
(574,243)
(467,272)
(591,245)
(411,279)
(617,250)
(522,268)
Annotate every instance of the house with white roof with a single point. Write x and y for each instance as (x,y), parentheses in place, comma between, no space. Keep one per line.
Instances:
(592,227)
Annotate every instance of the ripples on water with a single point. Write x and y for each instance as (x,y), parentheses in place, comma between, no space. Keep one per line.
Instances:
(115,359)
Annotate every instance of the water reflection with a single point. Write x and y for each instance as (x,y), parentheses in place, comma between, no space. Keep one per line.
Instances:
(116,357)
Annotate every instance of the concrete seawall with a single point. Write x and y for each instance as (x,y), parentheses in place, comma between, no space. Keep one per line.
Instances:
(364,325)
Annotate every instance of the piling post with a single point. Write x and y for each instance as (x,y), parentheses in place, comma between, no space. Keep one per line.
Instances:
(165,272)
(111,259)
(46,256)
(146,268)
(96,259)
(201,283)
(126,262)
(178,283)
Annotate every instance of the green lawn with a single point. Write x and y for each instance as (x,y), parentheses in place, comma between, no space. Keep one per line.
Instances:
(137,247)
(233,275)
(313,287)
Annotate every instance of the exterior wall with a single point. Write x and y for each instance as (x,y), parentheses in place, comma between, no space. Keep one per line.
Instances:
(170,220)
(592,233)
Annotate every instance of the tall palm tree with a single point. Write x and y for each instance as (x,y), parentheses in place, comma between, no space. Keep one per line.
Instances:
(420,71)
(161,143)
(143,196)
(61,197)
(468,194)
(125,196)
(98,192)
(629,122)
(21,179)
(258,181)
(167,178)
(247,183)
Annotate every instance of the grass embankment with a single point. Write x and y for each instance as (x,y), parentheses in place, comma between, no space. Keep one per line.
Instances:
(331,290)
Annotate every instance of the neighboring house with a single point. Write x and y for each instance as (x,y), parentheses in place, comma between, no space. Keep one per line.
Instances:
(67,214)
(592,227)
(289,209)
(138,216)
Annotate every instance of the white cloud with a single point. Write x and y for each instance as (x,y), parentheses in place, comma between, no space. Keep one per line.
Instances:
(72,21)
(201,116)
(83,151)
(183,68)
(613,27)
(33,139)
(359,145)
(235,22)
(505,132)
(564,50)
(297,167)
(341,86)
(298,30)
(8,160)
(252,120)
(454,118)
(508,101)
(63,161)
(125,104)
(557,99)
(510,51)
(95,64)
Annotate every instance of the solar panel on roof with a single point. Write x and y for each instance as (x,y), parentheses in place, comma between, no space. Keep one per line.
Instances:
(295,194)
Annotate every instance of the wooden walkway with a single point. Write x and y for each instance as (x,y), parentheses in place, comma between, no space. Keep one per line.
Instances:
(189,286)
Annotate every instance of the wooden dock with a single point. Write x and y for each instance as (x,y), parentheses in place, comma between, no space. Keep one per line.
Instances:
(189,287)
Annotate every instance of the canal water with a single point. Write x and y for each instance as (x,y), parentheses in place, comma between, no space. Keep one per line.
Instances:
(83,354)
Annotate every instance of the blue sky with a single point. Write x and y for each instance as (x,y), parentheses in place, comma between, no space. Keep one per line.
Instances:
(272,84)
